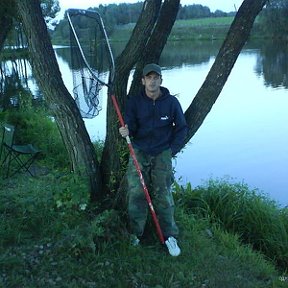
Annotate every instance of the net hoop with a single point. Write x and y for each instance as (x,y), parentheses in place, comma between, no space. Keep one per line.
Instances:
(86,80)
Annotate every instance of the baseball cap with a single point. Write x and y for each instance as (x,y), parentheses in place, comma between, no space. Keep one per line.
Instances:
(152,67)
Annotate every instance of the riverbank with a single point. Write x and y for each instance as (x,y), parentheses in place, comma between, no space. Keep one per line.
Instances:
(51,238)
(14,53)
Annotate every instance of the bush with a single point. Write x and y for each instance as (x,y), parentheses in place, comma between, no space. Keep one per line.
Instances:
(248,213)
(35,125)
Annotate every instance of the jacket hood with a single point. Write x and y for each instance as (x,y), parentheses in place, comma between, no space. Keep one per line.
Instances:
(164,95)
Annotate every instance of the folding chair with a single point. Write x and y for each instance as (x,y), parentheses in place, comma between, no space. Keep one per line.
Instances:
(15,157)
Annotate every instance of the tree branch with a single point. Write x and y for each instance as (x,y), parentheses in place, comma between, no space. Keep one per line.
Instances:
(157,41)
(224,62)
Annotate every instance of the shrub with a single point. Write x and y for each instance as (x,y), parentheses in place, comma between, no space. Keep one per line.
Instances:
(35,125)
(248,213)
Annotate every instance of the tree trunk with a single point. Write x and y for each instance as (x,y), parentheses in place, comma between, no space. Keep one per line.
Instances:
(224,62)
(156,42)
(67,116)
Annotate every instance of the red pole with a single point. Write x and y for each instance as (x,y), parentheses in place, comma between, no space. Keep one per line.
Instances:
(132,153)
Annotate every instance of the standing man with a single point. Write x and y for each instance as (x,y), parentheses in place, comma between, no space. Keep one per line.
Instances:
(157,127)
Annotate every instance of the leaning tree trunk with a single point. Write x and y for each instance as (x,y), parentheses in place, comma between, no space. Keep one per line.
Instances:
(156,42)
(224,62)
(67,116)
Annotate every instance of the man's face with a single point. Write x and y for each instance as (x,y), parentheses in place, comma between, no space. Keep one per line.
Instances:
(152,82)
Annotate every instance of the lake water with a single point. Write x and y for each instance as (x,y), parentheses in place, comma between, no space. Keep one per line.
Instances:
(245,136)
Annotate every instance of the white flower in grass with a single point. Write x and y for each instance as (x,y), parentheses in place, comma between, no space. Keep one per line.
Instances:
(83,206)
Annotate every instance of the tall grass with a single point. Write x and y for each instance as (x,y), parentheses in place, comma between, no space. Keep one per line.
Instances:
(35,125)
(258,220)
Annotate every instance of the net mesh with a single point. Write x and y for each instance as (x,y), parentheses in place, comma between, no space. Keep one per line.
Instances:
(90,63)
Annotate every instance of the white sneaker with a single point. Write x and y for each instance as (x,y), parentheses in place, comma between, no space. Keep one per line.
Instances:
(172,246)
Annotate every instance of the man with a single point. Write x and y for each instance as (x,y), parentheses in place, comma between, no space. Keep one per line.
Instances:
(157,127)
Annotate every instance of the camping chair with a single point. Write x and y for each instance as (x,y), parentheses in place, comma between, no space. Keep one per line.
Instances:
(15,157)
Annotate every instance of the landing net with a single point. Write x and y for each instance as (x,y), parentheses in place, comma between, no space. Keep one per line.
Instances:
(91,60)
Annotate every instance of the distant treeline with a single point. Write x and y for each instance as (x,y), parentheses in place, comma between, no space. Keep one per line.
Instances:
(128,13)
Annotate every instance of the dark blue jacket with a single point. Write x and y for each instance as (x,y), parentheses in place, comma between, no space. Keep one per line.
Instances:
(155,126)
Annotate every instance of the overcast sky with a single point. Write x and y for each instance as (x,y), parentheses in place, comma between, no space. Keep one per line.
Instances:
(224,5)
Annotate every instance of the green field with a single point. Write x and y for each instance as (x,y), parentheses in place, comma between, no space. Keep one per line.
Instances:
(205,22)
(191,29)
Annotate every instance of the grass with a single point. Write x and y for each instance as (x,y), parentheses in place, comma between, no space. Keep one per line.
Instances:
(191,29)
(43,244)
(201,29)
(8,53)
(211,21)
(239,210)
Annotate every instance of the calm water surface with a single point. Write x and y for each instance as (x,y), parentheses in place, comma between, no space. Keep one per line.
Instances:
(245,136)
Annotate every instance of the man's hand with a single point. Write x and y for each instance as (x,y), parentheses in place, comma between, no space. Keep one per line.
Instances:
(124,131)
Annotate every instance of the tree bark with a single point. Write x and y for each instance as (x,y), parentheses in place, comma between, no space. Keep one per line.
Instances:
(156,42)
(67,116)
(211,88)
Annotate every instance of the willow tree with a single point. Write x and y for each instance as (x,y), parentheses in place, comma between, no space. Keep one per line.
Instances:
(145,45)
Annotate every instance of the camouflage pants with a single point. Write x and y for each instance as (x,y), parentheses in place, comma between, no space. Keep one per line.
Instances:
(157,173)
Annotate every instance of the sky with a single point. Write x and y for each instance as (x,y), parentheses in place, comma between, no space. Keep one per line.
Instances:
(224,5)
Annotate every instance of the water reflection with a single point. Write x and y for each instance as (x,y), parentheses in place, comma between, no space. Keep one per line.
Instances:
(243,136)
(272,63)
(272,57)
(16,78)
(181,53)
